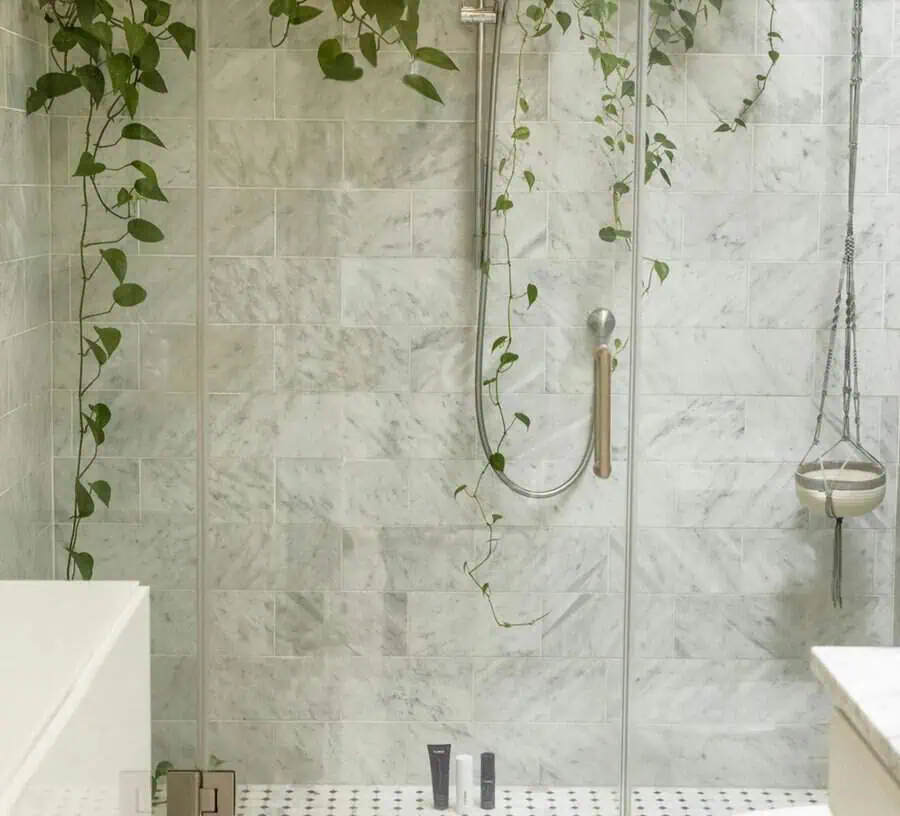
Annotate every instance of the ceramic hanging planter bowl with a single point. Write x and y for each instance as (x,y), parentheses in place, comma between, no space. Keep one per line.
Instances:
(856,488)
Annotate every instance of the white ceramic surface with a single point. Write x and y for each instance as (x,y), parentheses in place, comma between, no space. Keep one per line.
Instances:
(74,698)
(847,503)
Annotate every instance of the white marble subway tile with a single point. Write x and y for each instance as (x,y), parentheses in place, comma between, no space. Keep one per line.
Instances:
(247,153)
(565,753)
(525,227)
(825,27)
(567,291)
(709,755)
(894,161)
(527,689)
(364,753)
(781,428)
(376,492)
(575,220)
(863,620)
(293,557)
(781,692)
(171,284)
(801,296)
(60,169)
(706,161)
(24,212)
(443,224)
(239,358)
(274,290)
(344,223)
(237,25)
(182,79)
(402,689)
(582,626)
(407,292)
(461,625)
(168,486)
(406,559)
(299,754)
(160,552)
(584,504)
(168,357)
(26,144)
(177,219)
(323,358)
(249,746)
(341,624)
(274,423)
(875,240)
(122,474)
(879,368)
(12,298)
(270,688)
(727,362)
(416,426)
(681,561)
(242,222)
(242,623)
(308,491)
(415,155)
(37,292)
(241,84)
(241,490)
(121,373)
(653,629)
(176,740)
(173,622)
(813,159)
(442,360)
(668,692)
(299,92)
(735,495)
(431,487)
(739,227)
(716,84)
(684,429)
(173,687)
(150,424)
(560,559)
(878,100)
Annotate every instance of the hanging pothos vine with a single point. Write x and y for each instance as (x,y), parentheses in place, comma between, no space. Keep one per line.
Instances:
(109,59)
(673,26)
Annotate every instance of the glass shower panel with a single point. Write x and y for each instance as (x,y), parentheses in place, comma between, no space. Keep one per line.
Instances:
(732,577)
(149,531)
(344,633)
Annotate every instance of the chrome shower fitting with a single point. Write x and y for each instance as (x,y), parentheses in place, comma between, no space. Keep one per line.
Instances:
(478,15)
(600,322)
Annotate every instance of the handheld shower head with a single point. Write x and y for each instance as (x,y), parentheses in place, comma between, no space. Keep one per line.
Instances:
(601,324)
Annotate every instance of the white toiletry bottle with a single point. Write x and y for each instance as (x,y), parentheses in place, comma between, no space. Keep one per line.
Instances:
(464,784)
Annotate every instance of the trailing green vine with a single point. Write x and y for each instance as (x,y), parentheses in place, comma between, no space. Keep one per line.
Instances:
(673,26)
(375,23)
(110,60)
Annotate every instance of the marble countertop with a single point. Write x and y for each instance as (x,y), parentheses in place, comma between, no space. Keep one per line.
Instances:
(865,685)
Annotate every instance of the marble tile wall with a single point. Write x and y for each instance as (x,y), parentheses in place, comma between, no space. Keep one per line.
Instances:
(341,304)
(731,362)
(149,532)
(25,503)
(341,301)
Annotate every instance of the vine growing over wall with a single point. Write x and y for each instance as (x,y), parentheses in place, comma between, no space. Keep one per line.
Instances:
(673,28)
(108,60)
(375,24)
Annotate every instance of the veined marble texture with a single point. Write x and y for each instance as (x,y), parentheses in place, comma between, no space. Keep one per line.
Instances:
(338,341)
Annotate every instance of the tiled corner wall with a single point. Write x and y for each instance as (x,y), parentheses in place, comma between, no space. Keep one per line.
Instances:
(25,523)
(737,575)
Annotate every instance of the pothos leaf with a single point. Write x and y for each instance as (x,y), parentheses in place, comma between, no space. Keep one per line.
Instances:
(85,564)
(84,504)
(497,461)
(422,85)
(532,294)
(117,261)
(102,491)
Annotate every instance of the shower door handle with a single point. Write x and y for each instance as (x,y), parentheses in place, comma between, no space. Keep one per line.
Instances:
(602,412)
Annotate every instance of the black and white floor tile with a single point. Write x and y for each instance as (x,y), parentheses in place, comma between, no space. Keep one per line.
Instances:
(287,800)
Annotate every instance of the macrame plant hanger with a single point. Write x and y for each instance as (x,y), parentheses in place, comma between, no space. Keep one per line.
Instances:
(844,479)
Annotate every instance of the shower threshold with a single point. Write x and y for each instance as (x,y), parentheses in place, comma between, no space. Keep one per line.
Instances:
(344,800)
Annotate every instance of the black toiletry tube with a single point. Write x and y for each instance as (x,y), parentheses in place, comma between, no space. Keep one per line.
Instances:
(439,759)
(488,781)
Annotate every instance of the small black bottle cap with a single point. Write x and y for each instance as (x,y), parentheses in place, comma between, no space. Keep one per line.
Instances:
(488,767)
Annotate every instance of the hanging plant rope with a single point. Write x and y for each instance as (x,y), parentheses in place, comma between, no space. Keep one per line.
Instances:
(844,479)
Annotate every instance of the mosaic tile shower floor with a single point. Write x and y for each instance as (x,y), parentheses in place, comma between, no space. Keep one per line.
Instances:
(322,800)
